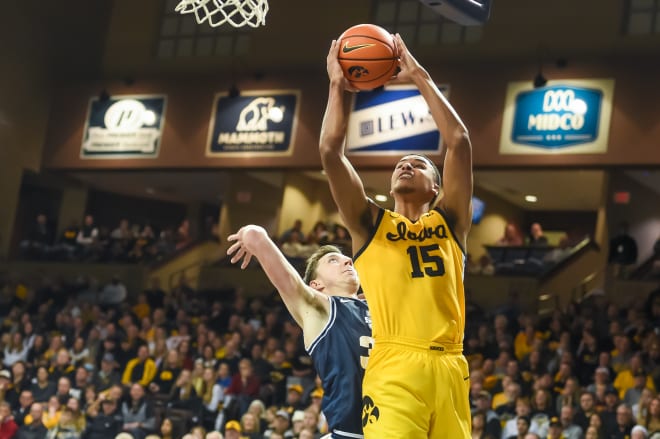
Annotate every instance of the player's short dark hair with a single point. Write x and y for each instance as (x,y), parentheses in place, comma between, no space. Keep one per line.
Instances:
(313,261)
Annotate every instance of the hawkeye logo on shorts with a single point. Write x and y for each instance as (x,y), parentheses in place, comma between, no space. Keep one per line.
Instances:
(370,411)
(347,48)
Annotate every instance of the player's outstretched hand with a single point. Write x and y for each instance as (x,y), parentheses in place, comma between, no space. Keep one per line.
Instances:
(238,249)
(335,72)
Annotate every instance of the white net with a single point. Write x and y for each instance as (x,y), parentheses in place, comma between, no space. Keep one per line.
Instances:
(235,12)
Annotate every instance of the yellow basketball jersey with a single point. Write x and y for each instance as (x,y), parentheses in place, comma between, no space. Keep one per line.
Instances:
(412,278)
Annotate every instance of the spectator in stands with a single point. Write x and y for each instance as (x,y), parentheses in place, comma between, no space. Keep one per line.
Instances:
(51,415)
(25,402)
(587,408)
(113,294)
(623,425)
(652,420)
(79,353)
(233,430)
(639,432)
(341,238)
(66,427)
(137,412)
(294,399)
(39,240)
(17,350)
(104,419)
(43,388)
(250,426)
(167,429)
(87,238)
(633,394)
(168,371)
(280,426)
(512,427)
(62,366)
(626,378)
(140,369)
(296,229)
(536,236)
(294,246)
(244,387)
(601,381)
(319,234)
(8,427)
(107,375)
(542,412)
(121,241)
(522,427)
(492,425)
(641,409)
(143,245)
(212,395)
(478,426)
(511,237)
(569,429)
(183,237)
(155,294)
(66,247)
(183,395)
(558,253)
(35,429)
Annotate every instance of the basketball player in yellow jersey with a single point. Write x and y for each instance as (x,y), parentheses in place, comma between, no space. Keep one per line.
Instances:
(411,262)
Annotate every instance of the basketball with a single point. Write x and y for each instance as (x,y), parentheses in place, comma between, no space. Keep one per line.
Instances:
(368,56)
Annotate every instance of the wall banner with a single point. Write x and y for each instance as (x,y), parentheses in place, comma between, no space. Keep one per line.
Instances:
(564,117)
(393,120)
(123,126)
(257,122)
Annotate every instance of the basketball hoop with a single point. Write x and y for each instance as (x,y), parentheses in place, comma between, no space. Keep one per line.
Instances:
(238,13)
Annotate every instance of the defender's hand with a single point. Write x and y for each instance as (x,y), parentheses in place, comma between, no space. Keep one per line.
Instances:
(238,249)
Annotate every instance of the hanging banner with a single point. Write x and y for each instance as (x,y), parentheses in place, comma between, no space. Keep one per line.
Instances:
(258,122)
(564,117)
(123,126)
(392,120)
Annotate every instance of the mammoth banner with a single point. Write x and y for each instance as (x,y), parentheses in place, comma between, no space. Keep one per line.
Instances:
(258,122)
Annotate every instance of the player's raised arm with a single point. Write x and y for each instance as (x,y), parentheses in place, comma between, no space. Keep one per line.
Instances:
(301,300)
(345,184)
(457,171)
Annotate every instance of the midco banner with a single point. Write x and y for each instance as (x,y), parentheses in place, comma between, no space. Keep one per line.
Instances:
(564,117)
(393,120)
(261,122)
(123,126)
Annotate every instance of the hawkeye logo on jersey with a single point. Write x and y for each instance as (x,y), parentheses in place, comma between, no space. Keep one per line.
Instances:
(262,123)
(403,234)
(556,116)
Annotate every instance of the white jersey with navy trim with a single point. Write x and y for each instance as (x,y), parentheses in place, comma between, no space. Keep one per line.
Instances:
(340,356)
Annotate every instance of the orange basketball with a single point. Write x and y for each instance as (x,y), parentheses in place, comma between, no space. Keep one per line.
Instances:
(368,56)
